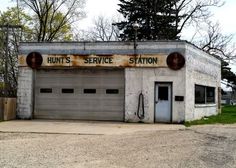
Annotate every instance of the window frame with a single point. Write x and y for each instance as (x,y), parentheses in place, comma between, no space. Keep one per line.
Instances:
(207,90)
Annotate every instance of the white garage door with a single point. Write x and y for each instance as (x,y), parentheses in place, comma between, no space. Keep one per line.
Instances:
(79,94)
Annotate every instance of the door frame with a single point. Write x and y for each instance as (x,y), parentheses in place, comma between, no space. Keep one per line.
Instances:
(171,100)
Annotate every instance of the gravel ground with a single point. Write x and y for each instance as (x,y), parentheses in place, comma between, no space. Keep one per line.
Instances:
(199,146)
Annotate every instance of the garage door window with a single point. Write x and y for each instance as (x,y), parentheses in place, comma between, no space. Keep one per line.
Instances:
(89,91)
(67,90)
(112,91)
(46,90)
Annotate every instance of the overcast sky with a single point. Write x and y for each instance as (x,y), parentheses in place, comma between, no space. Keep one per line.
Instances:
(225,15)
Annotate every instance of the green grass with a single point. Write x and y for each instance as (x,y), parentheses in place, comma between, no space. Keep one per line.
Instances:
(227,116)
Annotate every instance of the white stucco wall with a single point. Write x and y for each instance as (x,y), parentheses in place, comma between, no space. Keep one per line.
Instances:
(201,69)
(144,79)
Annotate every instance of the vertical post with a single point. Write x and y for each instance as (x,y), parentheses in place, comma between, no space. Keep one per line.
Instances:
(135,27)
(18,12)
(6,64)
(135,39)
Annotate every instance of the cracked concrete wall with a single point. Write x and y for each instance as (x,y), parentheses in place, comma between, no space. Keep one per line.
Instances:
(25,93)
(144,79)
(202,69)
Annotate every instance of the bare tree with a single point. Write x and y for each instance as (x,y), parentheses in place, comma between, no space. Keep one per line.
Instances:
(54,17)
(8,65)
(222,47)
(10,34)
(101,30)
(104,30)
(216,43)
(193,12)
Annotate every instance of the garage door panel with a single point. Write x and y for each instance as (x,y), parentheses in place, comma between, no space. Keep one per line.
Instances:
(74,112)
(80,84)
(107,100)
(113,83)
(80,105)
(87,100)
(88,115)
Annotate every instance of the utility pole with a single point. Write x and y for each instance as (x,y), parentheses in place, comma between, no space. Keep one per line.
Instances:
(7,27)
(6,64)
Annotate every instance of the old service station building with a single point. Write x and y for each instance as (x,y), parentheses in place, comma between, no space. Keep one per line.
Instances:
(161,81)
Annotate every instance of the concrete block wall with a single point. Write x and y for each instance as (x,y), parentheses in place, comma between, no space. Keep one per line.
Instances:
(25,93)
(202,69)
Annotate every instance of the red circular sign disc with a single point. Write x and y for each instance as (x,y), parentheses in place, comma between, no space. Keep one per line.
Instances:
(34,60)
(175,61)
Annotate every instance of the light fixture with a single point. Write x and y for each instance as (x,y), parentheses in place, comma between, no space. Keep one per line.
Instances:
(135,26)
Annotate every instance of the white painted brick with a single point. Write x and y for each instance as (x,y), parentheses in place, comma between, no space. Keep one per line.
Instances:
(200,68)
(25,93)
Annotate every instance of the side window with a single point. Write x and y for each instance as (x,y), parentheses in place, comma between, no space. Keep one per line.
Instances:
(210,92)
(199,94)
(204,94)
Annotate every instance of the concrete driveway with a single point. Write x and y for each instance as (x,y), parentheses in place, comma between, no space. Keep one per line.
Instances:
(76,144)
(81,127)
